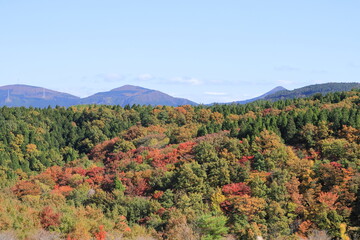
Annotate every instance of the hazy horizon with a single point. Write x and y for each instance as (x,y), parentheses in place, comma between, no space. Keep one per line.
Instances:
(41,87)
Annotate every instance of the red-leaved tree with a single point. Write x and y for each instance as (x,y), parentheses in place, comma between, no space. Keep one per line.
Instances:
(236,189)
(49,218)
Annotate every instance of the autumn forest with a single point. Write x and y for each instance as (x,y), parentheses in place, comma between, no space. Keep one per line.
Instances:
(287,170)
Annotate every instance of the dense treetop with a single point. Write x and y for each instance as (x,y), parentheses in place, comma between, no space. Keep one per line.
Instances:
(279,170)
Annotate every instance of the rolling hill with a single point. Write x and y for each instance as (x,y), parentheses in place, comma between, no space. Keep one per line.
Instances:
(271,92)
(25,96)
(31,96)
(310,90)
(129,94)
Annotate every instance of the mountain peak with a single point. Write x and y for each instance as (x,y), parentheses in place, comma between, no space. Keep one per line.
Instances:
(274,90)
(129,94)
(278,88)
(21,88)
(33,91)
(129,88)
(310,90)
(25,95)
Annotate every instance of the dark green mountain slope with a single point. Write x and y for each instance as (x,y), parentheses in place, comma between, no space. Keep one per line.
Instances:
(311,90)
(271,92)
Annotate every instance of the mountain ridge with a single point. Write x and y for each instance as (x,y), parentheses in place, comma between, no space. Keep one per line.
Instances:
(272,91)
(310,90)
(17,95)
(129,94)
(21,95)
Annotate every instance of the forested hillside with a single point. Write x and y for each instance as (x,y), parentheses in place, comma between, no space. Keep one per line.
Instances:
(310,90)
(281,170)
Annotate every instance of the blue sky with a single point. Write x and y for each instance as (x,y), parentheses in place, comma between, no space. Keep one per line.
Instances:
(206,51)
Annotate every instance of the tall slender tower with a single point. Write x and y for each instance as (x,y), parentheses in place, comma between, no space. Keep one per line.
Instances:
(7,100)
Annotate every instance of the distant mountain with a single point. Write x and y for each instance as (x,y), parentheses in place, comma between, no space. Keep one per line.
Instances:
(311,90)
(129,94)
(272,91)
(26,96)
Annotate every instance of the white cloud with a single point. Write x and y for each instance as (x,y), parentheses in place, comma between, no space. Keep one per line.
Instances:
(145,76)
(286,68)
(285,82)
(110,77)
(187,80)
(216,93)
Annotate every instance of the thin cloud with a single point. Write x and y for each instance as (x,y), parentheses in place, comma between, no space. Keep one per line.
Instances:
(104,77)
(318,71)
(286,68)
(148,78)
(353,65)
(216,93)
(112,77)
(285,82)
(164,80)
(186,80)
(145,77)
